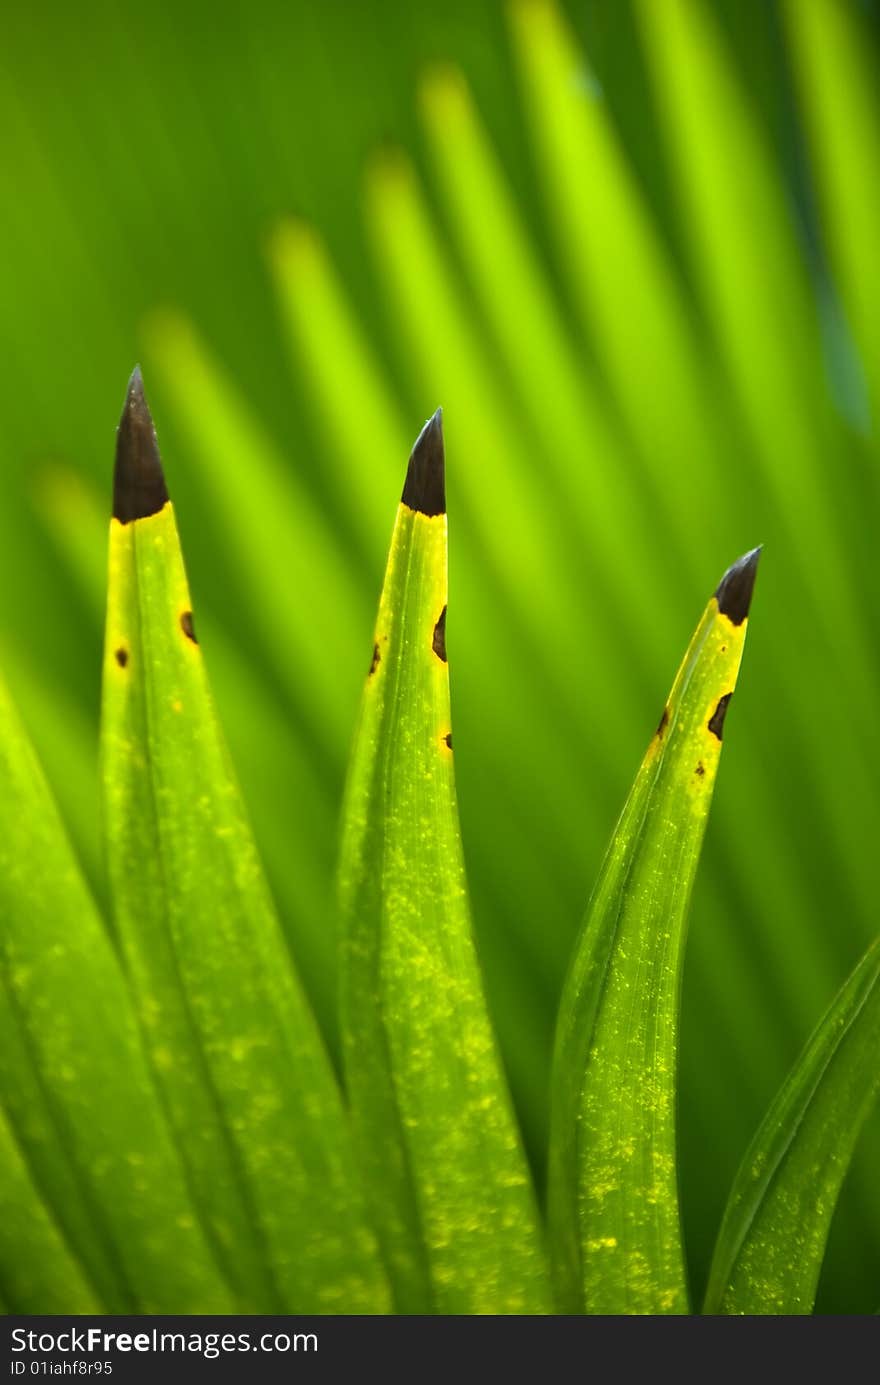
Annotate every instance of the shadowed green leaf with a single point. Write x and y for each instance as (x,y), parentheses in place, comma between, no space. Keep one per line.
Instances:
(447,1177)
(248,1086)
(38,1272)
(614,1213)
(773,1236)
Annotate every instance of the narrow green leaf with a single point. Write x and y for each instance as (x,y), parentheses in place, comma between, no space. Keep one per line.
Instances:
(325,329)
(248,1086)
(447,1175)
(614,1215)
(270,752)
(772,1238)
(445,347)
(76,1087)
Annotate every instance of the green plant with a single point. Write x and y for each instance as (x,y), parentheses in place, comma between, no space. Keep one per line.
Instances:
(646,295)
(179,1142)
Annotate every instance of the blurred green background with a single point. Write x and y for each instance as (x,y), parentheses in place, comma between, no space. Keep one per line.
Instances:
(631,249)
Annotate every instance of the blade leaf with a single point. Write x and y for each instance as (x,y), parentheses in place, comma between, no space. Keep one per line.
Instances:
(249,1088)
(775,1227)
(614,1215)
(81,1108)
(446,1173)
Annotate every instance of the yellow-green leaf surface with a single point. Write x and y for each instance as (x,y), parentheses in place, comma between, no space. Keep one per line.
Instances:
(274,752)
(447,1176)
(248,1086)
(775,1228)
(97,1214)
(614,1214)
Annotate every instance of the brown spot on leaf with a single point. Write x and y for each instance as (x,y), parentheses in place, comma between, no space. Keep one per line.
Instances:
(448,739)
(438,643)
(664,722)
(186,625)
(122,656)
(374,662)
(700,770)
(716,721)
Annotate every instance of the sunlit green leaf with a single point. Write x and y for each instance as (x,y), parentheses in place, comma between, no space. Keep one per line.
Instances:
(249,1089)
(277,752)
(614,1213)
(343,366)
(448,1181)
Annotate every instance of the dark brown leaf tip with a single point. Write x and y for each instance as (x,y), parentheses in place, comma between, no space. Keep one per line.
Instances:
(138,481)
(734,592)
(425,487)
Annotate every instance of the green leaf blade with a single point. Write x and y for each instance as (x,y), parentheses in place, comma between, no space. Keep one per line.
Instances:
(77,1091)
(447,1175)
(249,1089)
(773,1236)
(37,1268)
(614,1215)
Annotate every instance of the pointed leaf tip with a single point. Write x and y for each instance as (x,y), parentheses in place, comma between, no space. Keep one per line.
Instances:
(425,486)
(138,481)
(734,591)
